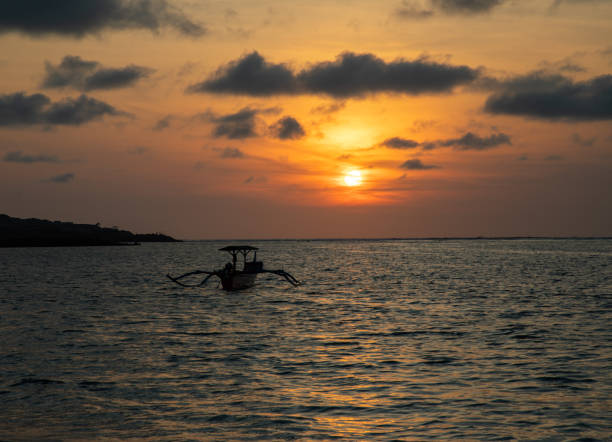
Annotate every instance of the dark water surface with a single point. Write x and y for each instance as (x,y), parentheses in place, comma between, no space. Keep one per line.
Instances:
(407,340)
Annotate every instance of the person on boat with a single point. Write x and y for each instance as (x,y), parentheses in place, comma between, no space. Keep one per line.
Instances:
(227,270)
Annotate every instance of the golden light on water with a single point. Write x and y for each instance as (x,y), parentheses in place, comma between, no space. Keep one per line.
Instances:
(353,178)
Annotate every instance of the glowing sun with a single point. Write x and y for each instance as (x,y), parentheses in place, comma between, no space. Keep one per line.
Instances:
(353,178)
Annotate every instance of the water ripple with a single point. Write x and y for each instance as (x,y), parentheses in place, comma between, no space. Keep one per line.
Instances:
(392,340)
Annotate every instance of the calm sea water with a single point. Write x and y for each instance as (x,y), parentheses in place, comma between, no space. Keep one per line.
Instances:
(406,340)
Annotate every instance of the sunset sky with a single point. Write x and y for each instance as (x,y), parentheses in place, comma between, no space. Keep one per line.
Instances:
(309,119)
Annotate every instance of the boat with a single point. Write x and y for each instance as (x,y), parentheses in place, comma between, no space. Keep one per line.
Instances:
(231,277)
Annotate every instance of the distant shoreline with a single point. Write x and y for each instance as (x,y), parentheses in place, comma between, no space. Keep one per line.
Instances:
(458,238)
(33,232)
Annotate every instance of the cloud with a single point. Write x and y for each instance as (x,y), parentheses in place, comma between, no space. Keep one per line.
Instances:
(139,150)
(112,78)
(465,6)
(241,124)
(399,143)
(287,128)
(256,180)
(78,111)
(19,157)
(584,142)
(410,10)
(330,108)
(350,75)
(470,141)
(71,71)
(553,97)
(557,3)
(163,123)
(85,75)
(238,125)
(565,65)
(19,109)
(63,178)
(416,164)
(249,75)
(231,152)
(413,10)
(353,75)
(77,18)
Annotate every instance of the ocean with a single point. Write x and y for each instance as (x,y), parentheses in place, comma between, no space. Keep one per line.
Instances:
(385,340)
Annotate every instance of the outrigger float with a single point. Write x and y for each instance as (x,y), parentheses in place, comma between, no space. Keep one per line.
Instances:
(232,278)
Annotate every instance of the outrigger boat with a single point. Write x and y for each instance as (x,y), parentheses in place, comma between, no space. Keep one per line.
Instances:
(232,278)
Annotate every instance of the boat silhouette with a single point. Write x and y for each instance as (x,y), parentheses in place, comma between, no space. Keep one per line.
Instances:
(231,277)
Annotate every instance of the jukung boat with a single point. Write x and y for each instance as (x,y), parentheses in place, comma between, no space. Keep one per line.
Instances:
(232,278)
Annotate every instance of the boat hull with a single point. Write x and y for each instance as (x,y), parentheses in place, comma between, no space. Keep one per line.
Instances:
(238,281)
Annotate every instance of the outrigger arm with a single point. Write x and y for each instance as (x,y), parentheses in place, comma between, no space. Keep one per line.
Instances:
(288,276)
(219,273)
(196,272)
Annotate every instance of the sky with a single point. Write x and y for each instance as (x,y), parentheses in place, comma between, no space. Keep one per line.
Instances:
(320,119)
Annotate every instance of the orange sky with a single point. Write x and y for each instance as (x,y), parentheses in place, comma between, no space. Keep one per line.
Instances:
(243,119)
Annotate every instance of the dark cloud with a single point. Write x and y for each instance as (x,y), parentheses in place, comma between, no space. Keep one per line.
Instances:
(553,97)
(360,74)
(557,3)
(20,157)
(413,10)
(242,124)
(416,164)
(465,6)
(326,109)
(238,125)
(584,142)
(20,109)
(70,72)
(85,75)
(470,141)
(249,75)
(78,111)
(231,152)
(399,143)
(63,178)
(256,180)
(350,75)
(565,65)
(115,78)
(287,128)
(77,18)
(163,123)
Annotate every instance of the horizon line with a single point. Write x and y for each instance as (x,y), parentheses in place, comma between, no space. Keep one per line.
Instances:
(425,238)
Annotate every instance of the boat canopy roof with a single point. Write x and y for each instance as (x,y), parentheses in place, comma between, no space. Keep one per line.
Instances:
(238,249)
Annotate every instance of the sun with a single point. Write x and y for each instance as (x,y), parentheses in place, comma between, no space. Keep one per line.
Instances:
(353,178)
